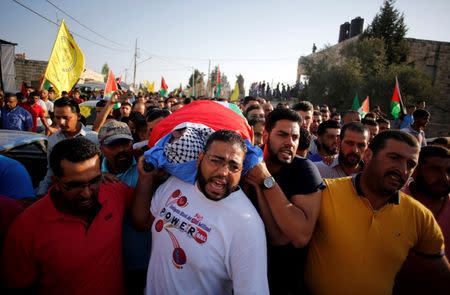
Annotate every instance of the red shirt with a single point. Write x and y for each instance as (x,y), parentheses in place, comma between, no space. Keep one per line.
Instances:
(36,111)
(58,253)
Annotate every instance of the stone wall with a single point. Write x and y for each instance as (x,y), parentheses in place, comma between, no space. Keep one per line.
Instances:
(29,71)
(433,58)
(430,57)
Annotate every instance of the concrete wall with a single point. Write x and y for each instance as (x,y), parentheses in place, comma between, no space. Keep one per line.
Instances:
(29,71)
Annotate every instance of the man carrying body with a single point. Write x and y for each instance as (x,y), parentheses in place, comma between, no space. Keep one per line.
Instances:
(67,114)
(288,195)
(116,145)
(366,227)
(353,142)
(69,242)
(207,238)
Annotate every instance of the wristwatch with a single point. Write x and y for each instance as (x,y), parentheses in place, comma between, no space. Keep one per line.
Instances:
(268,182)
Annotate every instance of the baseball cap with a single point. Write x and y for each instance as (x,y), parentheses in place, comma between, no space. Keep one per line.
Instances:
(112,131)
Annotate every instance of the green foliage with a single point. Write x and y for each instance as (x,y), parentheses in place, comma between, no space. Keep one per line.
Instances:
(223,78)
(389,26)
(105,71)
(198,78)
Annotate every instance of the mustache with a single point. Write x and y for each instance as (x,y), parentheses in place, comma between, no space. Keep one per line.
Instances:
(121,154)
(397,174)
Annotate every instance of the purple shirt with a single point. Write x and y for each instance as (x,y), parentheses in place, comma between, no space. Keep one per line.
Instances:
(16,119)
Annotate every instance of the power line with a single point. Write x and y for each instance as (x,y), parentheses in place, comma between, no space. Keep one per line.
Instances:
(84,26)
(72,32)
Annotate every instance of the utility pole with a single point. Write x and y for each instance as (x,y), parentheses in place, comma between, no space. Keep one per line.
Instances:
(135,59)
(126,71)
(209,78)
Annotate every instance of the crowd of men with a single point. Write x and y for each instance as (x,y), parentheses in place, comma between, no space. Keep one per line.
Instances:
(339,204)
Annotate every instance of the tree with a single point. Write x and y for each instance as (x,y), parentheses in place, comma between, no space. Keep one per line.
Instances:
(223,80)
(198,78)
(389,26)
(240,81)
(105,72)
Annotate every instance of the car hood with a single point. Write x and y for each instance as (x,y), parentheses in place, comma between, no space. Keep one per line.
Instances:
(12,138)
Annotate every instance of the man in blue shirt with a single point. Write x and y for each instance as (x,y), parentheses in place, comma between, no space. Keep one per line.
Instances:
(15,182)
(116,145)
(14,117)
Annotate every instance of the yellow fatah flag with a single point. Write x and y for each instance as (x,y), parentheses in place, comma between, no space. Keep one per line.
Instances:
(235,95)
(151,87)
(66,63)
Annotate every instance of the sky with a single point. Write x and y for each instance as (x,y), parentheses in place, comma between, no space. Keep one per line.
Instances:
(260,39)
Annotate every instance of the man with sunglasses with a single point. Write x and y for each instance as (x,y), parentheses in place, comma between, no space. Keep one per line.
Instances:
(69,242)
(207,238)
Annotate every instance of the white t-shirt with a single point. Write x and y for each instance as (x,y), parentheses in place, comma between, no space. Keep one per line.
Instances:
(200,246)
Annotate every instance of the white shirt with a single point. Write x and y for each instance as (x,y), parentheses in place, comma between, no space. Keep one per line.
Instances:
(200,246)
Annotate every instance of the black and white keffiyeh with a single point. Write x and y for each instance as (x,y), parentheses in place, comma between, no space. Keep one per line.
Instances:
(189,145)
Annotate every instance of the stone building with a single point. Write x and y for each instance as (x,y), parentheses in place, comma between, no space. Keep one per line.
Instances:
(429,57)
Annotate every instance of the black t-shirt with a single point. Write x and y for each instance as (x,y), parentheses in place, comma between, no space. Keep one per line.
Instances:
(286,263)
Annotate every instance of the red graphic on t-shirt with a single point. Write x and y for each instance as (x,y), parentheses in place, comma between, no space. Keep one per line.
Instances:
(176,193)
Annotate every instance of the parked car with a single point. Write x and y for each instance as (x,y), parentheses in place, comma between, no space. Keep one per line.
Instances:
(28,148)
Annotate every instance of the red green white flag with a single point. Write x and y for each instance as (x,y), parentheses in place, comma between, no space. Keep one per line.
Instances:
(164,88)
(111,85)
(364,109)
(218,83)
(396,101)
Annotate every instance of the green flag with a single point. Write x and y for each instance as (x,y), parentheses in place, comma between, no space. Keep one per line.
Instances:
(356,104)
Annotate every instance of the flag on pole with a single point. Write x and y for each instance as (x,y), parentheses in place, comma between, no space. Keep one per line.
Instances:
(235,95)
(66,62)
(364,109)
(111,85)
(151,87)
(396,101)
(164,88)
(218,83)
(356,105)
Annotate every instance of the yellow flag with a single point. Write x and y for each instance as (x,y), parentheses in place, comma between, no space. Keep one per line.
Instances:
(235,95)
(151,87)
(66,63)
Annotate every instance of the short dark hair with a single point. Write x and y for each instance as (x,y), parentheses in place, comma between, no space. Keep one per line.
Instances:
(330,124)
(303,106)
(101,103)
(9,94)
(125,104)
(369,121)
(75,150)
(34,93)
(383,121)
(157,113)
(281,114)
(227,136)
(253,107)
(440,140)
(420,113)
(433,151)
(379,141)
(353,126)
(67,102)
(247,99)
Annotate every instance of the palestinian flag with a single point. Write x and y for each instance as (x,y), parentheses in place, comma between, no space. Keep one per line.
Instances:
(364,109)
(396,101)
(164,88)
(111,85)
(355,105)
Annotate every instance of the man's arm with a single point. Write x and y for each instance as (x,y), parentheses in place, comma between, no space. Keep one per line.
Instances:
(100,119)
(143,193)
(296,219)
(275,234)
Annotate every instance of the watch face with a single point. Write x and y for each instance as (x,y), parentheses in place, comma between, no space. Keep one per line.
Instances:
(269,182)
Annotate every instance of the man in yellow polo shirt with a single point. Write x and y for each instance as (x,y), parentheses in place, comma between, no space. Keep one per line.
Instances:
(366,226)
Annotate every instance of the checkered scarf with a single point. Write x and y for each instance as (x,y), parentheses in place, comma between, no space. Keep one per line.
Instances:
(188,146)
